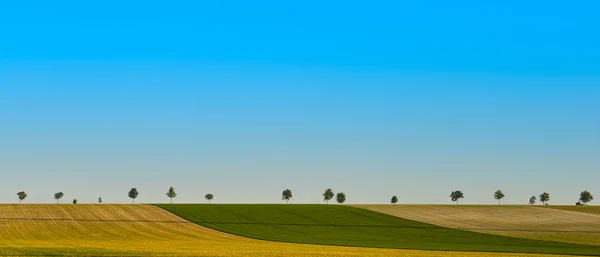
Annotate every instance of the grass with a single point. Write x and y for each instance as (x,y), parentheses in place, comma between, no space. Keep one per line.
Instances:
(541,223)
(348,226)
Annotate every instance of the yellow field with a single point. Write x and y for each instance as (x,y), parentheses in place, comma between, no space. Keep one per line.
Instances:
(148,230)
(519,221)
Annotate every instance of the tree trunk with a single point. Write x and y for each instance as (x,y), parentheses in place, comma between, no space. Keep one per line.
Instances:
(171,200)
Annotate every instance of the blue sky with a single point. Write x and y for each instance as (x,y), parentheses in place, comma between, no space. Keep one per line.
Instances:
(246,99)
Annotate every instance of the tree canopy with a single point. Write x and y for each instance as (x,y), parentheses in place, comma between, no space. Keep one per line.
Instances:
(133,194)
(171,194)
(286,195)
(532,200)
(498,195)
(544,197)
(455,195)
(328,195)
(58,195)
(74,201)
(22,195)
(340,197)
(585,197)
(394,199)
(99,199)
(209,197)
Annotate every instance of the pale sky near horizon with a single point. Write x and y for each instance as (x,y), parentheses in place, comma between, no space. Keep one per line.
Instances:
(244,101)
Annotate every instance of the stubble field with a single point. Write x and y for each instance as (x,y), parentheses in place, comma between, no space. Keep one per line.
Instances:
(570,224)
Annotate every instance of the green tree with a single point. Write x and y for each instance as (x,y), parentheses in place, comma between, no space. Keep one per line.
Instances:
(455,195)
(22,195)
(532,200)
(171,194)
(544,197)
(99,199)
(498,195)
(133,194)
(209,197)
(328,195)
(58,195)
(394,199)
(286,195)
(585,197)
(74,201)
(340,197)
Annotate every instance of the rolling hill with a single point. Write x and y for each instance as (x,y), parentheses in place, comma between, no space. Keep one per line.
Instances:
(138,230)
(349,226)
(145,230)
(584,209)
(570,224)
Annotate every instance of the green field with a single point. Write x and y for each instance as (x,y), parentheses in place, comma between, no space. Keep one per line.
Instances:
(348,226)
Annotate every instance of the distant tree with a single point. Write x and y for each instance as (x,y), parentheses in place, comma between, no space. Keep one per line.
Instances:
(58,195)
(328,195)
(585,197)
(133,194)
(394,199)
(340,197)
(286,195)
(209,197)
(74,201)
(171,194)
(578,203)
(22,195)
(544,198)
(99,199)
(498,195)
(455,195)
(532,200)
